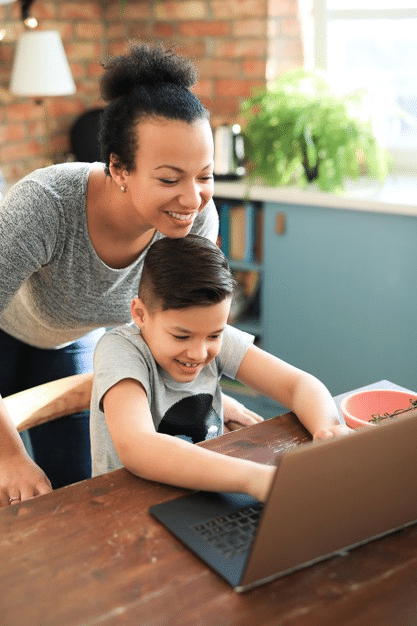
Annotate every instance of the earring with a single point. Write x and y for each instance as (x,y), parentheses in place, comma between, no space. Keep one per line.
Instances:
(123,188)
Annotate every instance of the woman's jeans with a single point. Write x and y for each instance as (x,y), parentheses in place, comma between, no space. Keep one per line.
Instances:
(61,447)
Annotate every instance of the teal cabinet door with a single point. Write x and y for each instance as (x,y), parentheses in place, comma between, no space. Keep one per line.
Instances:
(340,294)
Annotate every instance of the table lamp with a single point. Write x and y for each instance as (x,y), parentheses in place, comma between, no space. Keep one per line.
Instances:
(40,68)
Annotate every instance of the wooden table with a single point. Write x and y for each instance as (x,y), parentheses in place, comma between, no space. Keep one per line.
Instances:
(90,554)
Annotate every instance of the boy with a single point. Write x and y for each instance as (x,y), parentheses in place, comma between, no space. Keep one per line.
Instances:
(156,385)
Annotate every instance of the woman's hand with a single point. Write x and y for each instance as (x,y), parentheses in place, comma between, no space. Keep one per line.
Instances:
(237,415)
(21,479)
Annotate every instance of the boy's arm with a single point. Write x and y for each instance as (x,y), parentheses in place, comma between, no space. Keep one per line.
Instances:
(163,458)
(20,477)
(299,391)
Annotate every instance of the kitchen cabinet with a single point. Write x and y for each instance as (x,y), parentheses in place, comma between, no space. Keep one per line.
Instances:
(339,285)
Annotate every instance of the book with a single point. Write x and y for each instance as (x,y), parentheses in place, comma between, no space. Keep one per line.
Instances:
(224,228)
(241,232)
(258,235)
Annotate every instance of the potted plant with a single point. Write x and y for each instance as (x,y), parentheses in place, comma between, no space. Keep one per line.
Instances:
(297,131)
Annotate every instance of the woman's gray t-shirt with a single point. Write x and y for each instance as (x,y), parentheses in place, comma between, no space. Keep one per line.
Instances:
(53,286)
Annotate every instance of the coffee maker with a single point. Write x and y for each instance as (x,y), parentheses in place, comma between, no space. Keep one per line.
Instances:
(229,152)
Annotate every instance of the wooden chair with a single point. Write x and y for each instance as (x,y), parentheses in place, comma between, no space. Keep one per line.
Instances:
(50,401)
(55,399)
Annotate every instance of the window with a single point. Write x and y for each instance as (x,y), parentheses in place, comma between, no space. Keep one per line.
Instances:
(373,44)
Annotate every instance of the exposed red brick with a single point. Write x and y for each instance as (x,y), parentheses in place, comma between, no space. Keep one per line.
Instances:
(89,30)
(282,7)
(118,47)
(231,41)
(254,67)
(181,9)
(202,28)
(64,106)
(240,48)
(163,30)
(236,87)
(116,30)
(193,48)
(128,10)
(12,132)
(44,11)
(78,71)
(79,10)
(236,9)
(223,109)
(23,110)
(83,50)
(249,27)
(36,128)
(204,88)
(219,68)
(23,149)
(66,29)
(94,70)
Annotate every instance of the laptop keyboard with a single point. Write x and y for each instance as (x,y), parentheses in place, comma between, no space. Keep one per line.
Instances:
(231,534)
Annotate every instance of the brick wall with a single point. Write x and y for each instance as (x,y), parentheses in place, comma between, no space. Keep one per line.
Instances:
(236,44)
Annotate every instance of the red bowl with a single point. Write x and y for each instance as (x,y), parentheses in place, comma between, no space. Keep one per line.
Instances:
(358,408)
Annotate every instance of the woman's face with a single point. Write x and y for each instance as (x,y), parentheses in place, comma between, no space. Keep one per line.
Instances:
(173,178)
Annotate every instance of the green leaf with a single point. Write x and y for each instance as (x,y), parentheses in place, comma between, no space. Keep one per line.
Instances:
(298,122)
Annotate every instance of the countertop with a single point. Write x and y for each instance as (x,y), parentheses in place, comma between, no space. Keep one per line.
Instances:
(396,195)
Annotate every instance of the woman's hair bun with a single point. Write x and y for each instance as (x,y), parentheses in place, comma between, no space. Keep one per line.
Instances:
(145,65)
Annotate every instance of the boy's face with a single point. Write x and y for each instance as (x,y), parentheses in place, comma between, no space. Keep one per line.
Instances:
(182,341)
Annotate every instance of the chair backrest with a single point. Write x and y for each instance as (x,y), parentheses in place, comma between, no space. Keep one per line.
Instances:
(84,140)
(50,401)
(55,399)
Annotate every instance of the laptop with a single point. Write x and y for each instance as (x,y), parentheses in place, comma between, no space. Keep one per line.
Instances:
(327,497)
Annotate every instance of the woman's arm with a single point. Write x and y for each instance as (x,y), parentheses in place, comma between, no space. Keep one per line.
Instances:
(299,391)
(29,225)
(20,477)
(163,458)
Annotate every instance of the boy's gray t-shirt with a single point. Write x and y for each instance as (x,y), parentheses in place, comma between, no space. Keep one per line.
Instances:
(54,288)
(192,410)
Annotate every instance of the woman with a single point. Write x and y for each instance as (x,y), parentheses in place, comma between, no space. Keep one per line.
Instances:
(72,242)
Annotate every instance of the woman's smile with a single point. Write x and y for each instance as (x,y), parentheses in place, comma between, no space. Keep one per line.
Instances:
(186,219)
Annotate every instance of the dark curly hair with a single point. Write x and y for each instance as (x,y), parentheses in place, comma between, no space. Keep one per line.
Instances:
(149,81)
(184,272)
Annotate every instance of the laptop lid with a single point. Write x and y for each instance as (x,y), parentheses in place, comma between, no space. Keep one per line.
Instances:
(327,496)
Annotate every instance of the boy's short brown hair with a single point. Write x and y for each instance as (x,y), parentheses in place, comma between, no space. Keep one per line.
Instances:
(184,272)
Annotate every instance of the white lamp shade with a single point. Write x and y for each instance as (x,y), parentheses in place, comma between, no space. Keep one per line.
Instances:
(40,66)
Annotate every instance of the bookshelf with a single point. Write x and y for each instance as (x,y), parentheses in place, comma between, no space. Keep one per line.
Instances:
(241,241)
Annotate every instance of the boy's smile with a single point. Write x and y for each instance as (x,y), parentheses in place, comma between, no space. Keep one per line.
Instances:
(183,341)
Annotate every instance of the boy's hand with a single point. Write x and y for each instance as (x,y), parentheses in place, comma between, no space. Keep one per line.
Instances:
(260,481)
(332,431)
(237,415)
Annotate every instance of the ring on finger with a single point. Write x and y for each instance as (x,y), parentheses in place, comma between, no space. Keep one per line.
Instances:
(14,499)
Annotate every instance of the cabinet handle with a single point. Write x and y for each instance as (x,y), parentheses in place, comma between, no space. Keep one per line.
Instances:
(280,223)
